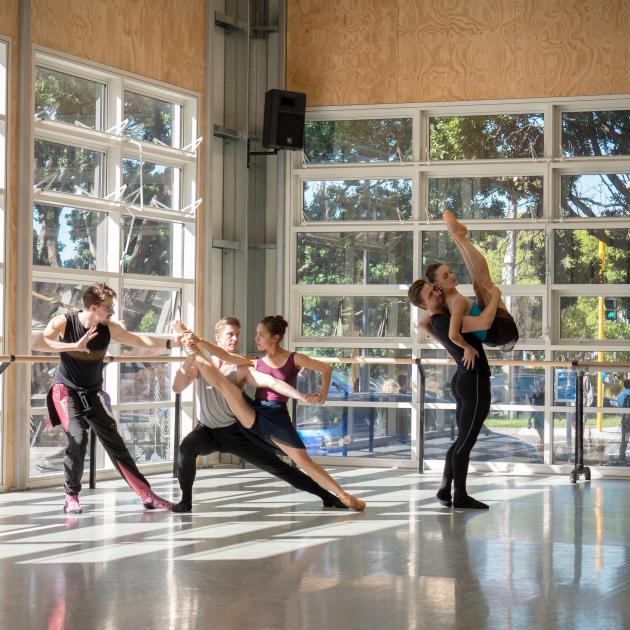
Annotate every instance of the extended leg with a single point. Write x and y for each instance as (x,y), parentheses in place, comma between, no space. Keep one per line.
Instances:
(198,442)
(319,474)
(232,440)
(475,261)
(234,396)
(104,426)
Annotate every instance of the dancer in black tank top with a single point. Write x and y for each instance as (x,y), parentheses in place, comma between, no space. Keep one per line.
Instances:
(471,388)
(76,399)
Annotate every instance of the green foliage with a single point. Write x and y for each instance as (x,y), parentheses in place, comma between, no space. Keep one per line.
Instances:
(488,137)
(352,141)
(355,258)
(357,200)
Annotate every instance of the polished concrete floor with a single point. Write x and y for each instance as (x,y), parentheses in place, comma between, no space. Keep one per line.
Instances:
(256,554)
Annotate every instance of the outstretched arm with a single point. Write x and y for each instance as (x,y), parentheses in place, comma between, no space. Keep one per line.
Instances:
(222,354)
(259,379)
(136,340)
(304,361)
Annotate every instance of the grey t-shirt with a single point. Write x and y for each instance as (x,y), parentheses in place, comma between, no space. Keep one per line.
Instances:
(214,410)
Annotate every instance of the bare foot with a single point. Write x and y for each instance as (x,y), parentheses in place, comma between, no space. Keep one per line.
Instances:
(455,228)
(352,502)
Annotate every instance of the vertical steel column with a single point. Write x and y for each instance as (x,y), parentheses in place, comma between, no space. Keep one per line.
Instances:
(20,311)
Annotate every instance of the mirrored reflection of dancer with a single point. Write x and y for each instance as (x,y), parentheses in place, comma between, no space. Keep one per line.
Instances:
(470,386)
(76,400)
(267,418)
(218,429)
(502,331)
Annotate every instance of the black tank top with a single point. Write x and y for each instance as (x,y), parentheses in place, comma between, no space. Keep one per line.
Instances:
(82,370)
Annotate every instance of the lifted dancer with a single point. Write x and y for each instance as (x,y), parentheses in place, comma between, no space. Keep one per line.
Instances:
(501,331)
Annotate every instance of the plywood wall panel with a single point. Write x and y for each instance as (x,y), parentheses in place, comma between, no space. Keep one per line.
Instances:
(571,48)
(451,50)
(620,53)
(183,43)
(343,51)
(457,50)
(9,18)
(160,39)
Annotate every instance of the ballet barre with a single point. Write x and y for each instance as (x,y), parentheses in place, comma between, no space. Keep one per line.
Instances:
(580,367)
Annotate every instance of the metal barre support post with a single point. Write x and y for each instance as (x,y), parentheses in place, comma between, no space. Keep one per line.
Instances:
(177,431)
(421,417)
(92,459)
(579,468)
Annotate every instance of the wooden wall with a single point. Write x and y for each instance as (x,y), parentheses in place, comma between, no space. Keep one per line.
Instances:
(161,39)
(343,52)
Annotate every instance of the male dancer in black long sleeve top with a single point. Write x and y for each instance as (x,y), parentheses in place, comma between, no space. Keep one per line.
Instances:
(470,386)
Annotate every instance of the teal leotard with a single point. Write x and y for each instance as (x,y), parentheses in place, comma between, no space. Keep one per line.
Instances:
(474,311)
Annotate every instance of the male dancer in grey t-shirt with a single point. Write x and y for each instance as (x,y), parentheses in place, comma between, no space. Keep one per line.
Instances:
(218,429)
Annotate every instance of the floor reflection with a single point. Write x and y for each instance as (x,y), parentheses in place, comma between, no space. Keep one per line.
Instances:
(255,553)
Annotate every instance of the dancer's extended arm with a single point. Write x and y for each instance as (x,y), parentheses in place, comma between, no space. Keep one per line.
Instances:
(194,342)
(304,361)
(260,379)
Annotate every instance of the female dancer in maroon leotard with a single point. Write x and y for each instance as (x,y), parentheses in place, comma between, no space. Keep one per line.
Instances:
(267,417)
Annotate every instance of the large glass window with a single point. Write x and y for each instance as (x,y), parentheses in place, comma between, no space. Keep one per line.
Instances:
(68,237)
(125,229)
(68,99)
(357,200)
(152,119)
(593,256)
(355,258)
(554,231)
(593,195)
(596,133)
(515,197)
(358,141)
(486,137)
(67,169)
(355,316)
(155,185)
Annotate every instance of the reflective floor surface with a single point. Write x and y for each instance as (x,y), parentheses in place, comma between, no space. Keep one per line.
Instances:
(257,554)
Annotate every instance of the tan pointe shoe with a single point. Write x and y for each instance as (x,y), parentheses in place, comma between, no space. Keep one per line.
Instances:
(455,228)
(353,503)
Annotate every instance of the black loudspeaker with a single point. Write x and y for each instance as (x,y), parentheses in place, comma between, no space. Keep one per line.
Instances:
(284,120)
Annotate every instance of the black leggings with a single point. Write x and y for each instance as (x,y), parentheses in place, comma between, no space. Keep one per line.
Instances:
(202,441)
(76,424)
(472,395)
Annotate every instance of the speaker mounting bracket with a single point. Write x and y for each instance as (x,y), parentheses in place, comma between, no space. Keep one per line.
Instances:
(249,152)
